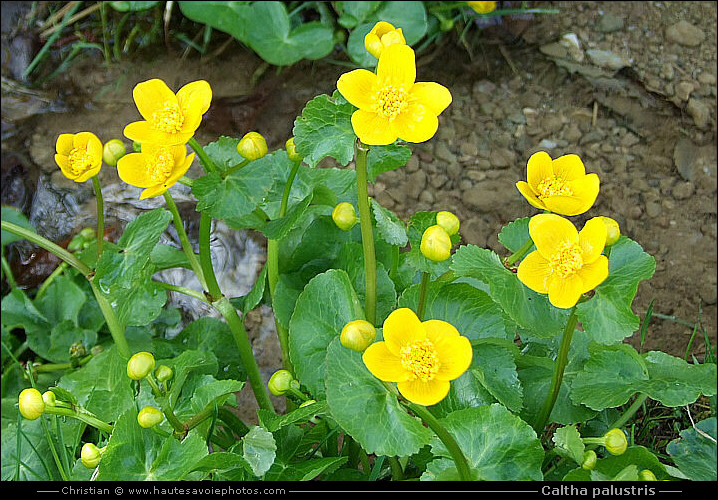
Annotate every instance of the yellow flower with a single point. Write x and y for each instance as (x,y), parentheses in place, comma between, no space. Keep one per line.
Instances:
(483,7)
(381,36)
(79,156)
(566,263)
(561,185)
(422,357)
(391,105)
(169,119)
(156,168)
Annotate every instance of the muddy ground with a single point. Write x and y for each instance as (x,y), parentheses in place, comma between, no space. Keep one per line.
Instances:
(628,86)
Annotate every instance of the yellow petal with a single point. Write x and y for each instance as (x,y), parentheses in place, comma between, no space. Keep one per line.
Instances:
(151,96)
(88,174)
(417,124)
(453,350)
(402,327)
(592,239)
(195,95)
(424,393)
(382,28)
(586,188)
(534,272)
(565,292)
(144,133)
(64,164)
(538,168)
(357,87)
(373,45)
(434,96)
(65,144)
(132,169)
(180,169)
(383,364)
(566,205)
(372,129)
(594,273)
(153,191)
(550,231)
(393,37)
(397,67)
(568,167)
(525,189)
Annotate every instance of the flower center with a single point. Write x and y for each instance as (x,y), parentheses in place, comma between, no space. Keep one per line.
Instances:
(391,101)
(552,186)
(160,166)
(567,260)
(420,358)
(169,119)
(80,161)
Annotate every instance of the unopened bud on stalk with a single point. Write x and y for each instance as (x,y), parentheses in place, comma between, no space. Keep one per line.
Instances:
(140,365)
(163,373)
(344,216)
(615,442)
(149,416)
(48,397)
(112,151)
(252,146)
(647,475)
(280,382)
(292,150)
(613,232)
(31,404)
(90,455)
(436,244)
(357,335)
(448,221)
(589,460)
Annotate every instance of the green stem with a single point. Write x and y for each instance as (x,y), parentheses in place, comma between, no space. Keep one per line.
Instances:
(117,330)
(425,279)
(82,415)
(165,406)
(205,256)
(561,360)
(260,390)
(204,158)
(397,472)
(184,239)
(48,281)
(56,367)
(100,215)
(630,412)
(452,446)
(8,273)
(367,234)
(183,290)
(234,168)
(518,254)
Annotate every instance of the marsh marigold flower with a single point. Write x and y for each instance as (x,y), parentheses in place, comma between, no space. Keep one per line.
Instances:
(566,263)
(561,185)
(79,156)
(169,118)
(421,357)
(156,168)
(391,105)
(381,36)
(482,7)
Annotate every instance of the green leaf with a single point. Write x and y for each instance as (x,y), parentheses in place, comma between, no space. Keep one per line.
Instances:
(324,129)
(418,223)
(213,390)
(13,215)
(498,445)
(223,151)
(327,303)
(28,458)
(381,159)
(259,450)
(220,461)
(305,470)
(132,6)
(695,451)
(189,362)
(366,410)
(272,422)
(353,13)
(515,234)
(608,316)
(278,228)
(568,443)
(250,301)
(612,467)
(168,257)
(390,228)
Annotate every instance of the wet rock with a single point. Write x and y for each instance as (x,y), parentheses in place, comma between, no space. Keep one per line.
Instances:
(607,59)
(682,190)
(489,195)
(699,111)
(608,23)
(683,90)
(684,33)
(415,184)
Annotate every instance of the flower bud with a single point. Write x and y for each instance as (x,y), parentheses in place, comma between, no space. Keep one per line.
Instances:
(136,147)
(280,382)
(344,216)
(381,36)
(613,232)
(589,460)
(149,416)
(446,24)
(163,373)
(31,404)
(140,365)
(615,442)
(436,244)
(647,475)
(90,455)
(78,350)
(357,335)
(252,146)
(448,221)
(292,150)
(49,398)
(112,151)
(482,7)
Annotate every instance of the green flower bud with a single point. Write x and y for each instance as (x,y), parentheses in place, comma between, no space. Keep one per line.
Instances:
(140,365)
(149,416)
(344,216)
(76,243)
(436,244)
(292,150)
(163,373)
(49,398)
(90,455)
(615,442)
(647,475)
(448,221)
(280,382)
(136,147)
(112,151)
(446,24)
(613,232)
(589,460)
(31,404)
(87,233)
(357,335)
(252,146)
(78,350)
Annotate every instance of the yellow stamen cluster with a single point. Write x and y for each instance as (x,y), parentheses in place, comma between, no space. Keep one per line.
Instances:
(567,260)
(161,165)
(420,358)
(552,186)
(79,161)
(169,119)
(391,102)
